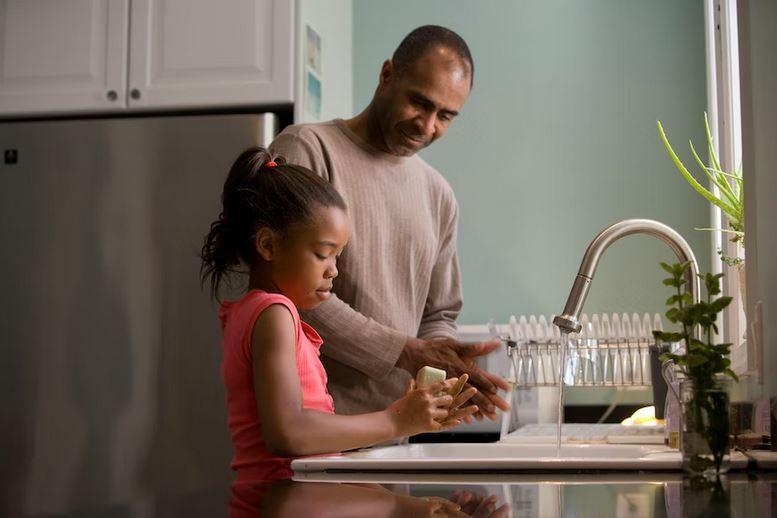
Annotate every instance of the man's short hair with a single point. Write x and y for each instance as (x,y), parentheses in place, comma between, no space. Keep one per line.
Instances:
(415,44)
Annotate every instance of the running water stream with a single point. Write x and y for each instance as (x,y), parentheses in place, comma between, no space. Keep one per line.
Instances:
(562,353)
(512,380)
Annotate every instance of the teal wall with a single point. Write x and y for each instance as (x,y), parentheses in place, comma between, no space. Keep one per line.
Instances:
(558,140)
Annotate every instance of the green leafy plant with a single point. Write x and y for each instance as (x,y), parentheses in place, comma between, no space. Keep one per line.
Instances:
(703,362)
(730,199)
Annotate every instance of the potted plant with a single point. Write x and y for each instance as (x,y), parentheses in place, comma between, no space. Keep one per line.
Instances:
(705,369)
(729,197)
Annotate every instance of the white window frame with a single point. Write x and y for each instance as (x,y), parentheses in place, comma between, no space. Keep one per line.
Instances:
(725,118)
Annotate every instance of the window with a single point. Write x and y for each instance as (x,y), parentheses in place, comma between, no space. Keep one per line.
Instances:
(724,112)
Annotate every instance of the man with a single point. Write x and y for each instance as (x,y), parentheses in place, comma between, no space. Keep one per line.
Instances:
(397,295)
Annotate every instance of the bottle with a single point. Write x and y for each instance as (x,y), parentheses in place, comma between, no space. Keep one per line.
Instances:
(672,416)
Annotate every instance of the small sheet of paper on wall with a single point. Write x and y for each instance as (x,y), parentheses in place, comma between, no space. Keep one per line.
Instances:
(312,92)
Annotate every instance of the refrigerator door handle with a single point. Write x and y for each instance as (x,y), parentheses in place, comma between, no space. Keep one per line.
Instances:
(267,128)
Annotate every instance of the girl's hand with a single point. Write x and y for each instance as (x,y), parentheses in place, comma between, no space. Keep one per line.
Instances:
(432,408)
(421,410)
(455,412)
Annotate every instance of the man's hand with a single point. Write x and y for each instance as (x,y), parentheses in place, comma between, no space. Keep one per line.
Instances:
(457,358)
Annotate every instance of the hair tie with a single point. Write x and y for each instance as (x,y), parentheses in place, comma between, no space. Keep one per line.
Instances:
(270,164)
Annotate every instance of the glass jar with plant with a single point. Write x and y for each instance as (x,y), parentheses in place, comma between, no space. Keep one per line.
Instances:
(729,195)
(704,368)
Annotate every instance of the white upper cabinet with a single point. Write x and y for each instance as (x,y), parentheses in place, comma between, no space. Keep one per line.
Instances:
(206,53)
(62,56)
(80,56)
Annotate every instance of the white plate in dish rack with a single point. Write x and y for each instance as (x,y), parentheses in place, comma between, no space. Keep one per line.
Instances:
(500,457)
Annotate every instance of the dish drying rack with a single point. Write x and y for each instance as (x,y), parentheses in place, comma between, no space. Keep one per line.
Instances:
(611,350)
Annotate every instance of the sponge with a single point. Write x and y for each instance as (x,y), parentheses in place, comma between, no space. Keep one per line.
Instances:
(428,376)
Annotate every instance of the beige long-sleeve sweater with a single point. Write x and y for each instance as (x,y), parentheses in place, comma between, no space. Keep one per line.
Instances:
(399,273)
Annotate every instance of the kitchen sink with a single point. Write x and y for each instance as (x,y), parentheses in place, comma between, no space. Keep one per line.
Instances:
(501,456)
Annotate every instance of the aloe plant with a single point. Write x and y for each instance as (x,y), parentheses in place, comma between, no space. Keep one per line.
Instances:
(730,199)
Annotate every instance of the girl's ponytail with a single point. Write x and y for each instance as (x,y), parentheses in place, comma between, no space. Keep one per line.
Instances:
(260,190)
(225,243)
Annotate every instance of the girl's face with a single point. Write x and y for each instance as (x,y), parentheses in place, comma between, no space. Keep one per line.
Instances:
(304,264)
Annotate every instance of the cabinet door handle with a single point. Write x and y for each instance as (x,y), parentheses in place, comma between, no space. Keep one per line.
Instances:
(112,95)
(135,93)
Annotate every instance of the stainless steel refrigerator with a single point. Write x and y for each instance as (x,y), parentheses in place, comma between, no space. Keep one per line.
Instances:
(110,392)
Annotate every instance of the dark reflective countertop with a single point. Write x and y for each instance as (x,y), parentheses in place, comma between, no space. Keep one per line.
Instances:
(386,495)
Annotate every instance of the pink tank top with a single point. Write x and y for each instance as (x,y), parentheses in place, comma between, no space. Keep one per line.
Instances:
(253,461)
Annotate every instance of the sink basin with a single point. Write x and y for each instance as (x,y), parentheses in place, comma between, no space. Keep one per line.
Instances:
(497,457)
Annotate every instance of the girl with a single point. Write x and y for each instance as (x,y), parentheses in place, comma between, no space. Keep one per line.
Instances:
(288,226)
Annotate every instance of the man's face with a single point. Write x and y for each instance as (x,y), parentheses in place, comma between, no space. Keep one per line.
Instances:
(415,108)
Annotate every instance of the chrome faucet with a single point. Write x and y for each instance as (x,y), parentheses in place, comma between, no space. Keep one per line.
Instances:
(568,320)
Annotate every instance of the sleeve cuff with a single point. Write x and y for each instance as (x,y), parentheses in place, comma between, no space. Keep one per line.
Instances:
(395,344)
(430,330)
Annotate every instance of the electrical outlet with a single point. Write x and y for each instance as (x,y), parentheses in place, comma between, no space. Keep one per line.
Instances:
(757,338)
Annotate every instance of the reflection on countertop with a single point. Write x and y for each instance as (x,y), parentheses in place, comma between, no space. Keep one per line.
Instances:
(385,495)
(618,494)
(312,499)
(500,495)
